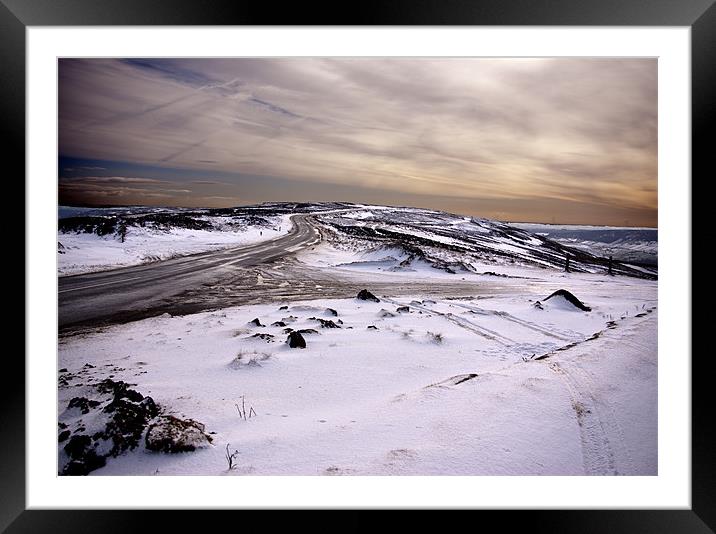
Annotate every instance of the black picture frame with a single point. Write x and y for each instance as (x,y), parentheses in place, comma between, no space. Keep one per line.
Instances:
(16,15)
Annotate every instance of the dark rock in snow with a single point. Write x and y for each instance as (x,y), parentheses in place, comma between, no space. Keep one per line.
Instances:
(364,294)
(403,309)
(538,305)
(331,311)
(89,461)
(266,337)
(304,331)
(278,323)
(295,340)
(256,322)
(63,436)
(63,370)
(385,313)
(325,323)
(77,445)
(171,434)
(83,404)
(574,301)
(283,308)
(372,327)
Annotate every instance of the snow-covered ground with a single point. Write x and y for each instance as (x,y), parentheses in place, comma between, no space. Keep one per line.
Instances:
(89,252)
(487,386)
(436,381)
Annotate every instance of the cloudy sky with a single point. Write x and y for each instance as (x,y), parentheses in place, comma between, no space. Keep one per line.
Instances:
(545,140)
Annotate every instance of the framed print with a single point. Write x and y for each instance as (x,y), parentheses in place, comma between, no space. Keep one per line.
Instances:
(415,247)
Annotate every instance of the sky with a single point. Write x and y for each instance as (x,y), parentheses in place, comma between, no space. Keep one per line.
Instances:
(555,140)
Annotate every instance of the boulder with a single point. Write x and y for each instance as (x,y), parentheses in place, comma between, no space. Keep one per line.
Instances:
(364,294)
(171,434)
(305,331)
(84,465)
(571,299)
(325,323)
(256,322)
(295,340)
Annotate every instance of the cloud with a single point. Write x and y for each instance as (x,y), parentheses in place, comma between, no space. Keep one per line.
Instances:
(573,130)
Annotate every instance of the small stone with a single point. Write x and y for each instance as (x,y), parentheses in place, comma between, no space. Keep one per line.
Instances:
(295,340)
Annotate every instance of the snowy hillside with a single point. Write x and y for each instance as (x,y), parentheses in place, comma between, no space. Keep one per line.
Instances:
(638,245)
(395,238)
(401,238)
(90,239)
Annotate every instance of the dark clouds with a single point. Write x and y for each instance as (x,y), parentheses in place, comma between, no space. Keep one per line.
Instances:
(524,137)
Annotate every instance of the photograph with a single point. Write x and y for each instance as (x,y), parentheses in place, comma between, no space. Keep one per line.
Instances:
(357,266)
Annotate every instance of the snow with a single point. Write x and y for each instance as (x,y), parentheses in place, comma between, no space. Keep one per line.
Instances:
(87,252)
(402,399)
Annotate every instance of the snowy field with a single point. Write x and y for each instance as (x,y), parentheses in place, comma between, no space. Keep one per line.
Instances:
(440,380)
(484,386)
(88,252)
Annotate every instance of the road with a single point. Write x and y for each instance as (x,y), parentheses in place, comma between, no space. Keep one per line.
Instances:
(133,292)
(260,273)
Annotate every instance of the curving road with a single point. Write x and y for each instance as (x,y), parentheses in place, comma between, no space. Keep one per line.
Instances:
(136,291)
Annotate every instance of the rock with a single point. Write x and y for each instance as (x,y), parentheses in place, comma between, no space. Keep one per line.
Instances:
(128,422)
(574,301)
(171,434)
(256,322)
(364,294)
(63,370)
(307,331)
(385,313)
(84,465)
(83,403)
(295,340)
(538,305)
(63,436)
(403,309)
(372,327)
(278,323)
(77,446)
(266,337)
(331,311)
(283,308)
(325,323)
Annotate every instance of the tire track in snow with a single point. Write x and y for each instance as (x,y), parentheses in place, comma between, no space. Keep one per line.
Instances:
(509,317)
(597,452)
(608,419)
(463,323)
